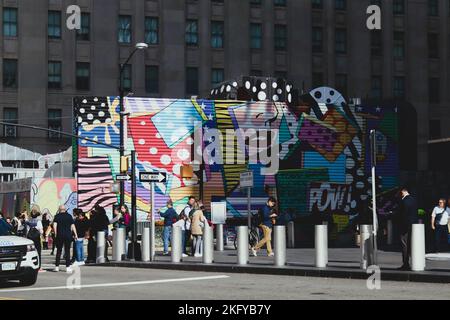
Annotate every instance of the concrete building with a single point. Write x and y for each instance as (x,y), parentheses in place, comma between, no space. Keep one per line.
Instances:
(195,44)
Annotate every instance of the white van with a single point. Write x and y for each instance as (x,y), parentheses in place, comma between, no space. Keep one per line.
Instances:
(19,260)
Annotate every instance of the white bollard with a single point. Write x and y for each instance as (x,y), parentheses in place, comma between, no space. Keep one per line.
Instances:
(177,249)
(367,248)
(321,245)
(390,232)
(145,245)
(291,234)
(118,244)
(418,247)
(208,244)
(280,246)
(100,247)
(219,237)
(242,245)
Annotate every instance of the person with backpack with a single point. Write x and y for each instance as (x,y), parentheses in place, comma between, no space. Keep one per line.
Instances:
(266,216)
(170,217)
(34,232)
(439,223)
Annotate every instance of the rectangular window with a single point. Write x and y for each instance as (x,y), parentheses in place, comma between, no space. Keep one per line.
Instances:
(191,81)
(152,79)
(434,92)
(54,75)
(217,34)
(192,32)
(10,22)
(83,76)
(84,33)
(317,80)
(54,123)
(341,41)
(399,87)
(10,115)
(317,4)
(126,78)
(340,4)
(217,77)
(54,24)
(255,36)
(433,45)
(399,45)
(433,8)
(280,37)
(376,43)
(398,7)
(279,3)
(341,84)
(10,73)
(151,30)
(376,91)
(317,40)
(124,29)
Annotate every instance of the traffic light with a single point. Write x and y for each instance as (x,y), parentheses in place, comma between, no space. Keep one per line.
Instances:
(124,165)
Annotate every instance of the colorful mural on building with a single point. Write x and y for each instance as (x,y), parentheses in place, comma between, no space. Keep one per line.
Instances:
(324,162)
(49,194)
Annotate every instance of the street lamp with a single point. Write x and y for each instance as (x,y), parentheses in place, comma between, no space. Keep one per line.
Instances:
(138,46)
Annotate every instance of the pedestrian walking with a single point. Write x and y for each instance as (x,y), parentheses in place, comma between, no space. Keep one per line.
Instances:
(45,225)
(439,223)
(170,217)
(408,215)
(35,231)
(187,213)
(65,232)
(267,216)
(198,222)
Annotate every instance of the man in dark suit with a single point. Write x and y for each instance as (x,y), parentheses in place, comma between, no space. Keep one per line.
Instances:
(407,217)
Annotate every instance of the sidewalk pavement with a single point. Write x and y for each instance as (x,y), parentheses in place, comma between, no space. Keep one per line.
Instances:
(343,263)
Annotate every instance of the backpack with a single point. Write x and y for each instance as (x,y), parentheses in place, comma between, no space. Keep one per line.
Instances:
(34,234)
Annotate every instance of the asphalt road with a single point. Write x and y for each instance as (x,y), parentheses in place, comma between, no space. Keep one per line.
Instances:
(131,284)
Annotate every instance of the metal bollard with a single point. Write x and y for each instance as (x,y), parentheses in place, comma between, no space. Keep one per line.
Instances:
(177,249)
(291,234)
(242,245)
(118,244)
(280,246)
(367,249)
(100,247)
(145,244)
(390,233)
(219,237)
(152,242)
(418,247)
(321,245)
(208,244)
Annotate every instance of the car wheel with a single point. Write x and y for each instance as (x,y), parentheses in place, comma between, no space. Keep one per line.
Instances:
(29,280)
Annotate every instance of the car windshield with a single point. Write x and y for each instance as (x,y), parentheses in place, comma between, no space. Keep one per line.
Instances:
(5,228)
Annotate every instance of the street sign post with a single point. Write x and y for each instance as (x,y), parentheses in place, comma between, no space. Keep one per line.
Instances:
(152,178)
(373,153)
(246,181)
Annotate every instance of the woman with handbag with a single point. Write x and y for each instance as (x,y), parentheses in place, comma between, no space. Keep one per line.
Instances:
(439,223)
(198,222)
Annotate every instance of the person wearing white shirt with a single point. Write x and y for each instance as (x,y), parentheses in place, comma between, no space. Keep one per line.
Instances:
(439,223)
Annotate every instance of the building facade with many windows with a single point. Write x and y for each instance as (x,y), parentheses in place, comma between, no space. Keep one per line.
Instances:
(196,44)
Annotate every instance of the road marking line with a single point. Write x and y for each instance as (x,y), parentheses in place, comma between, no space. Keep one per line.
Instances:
(4,298)
(119,284)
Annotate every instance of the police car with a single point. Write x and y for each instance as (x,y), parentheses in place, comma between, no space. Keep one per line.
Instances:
(19,260)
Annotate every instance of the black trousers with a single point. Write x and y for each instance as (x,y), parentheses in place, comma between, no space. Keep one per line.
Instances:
(441,238)
(405,242)
(60,243)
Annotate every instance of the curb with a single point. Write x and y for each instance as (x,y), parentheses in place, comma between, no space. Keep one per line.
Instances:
(332,272)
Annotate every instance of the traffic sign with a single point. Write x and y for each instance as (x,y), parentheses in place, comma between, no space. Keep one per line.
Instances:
(160,177)
(123,177)
(247,179)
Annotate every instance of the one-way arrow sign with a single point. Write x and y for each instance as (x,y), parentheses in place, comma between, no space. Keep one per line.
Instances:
(160,177)
(123,177)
